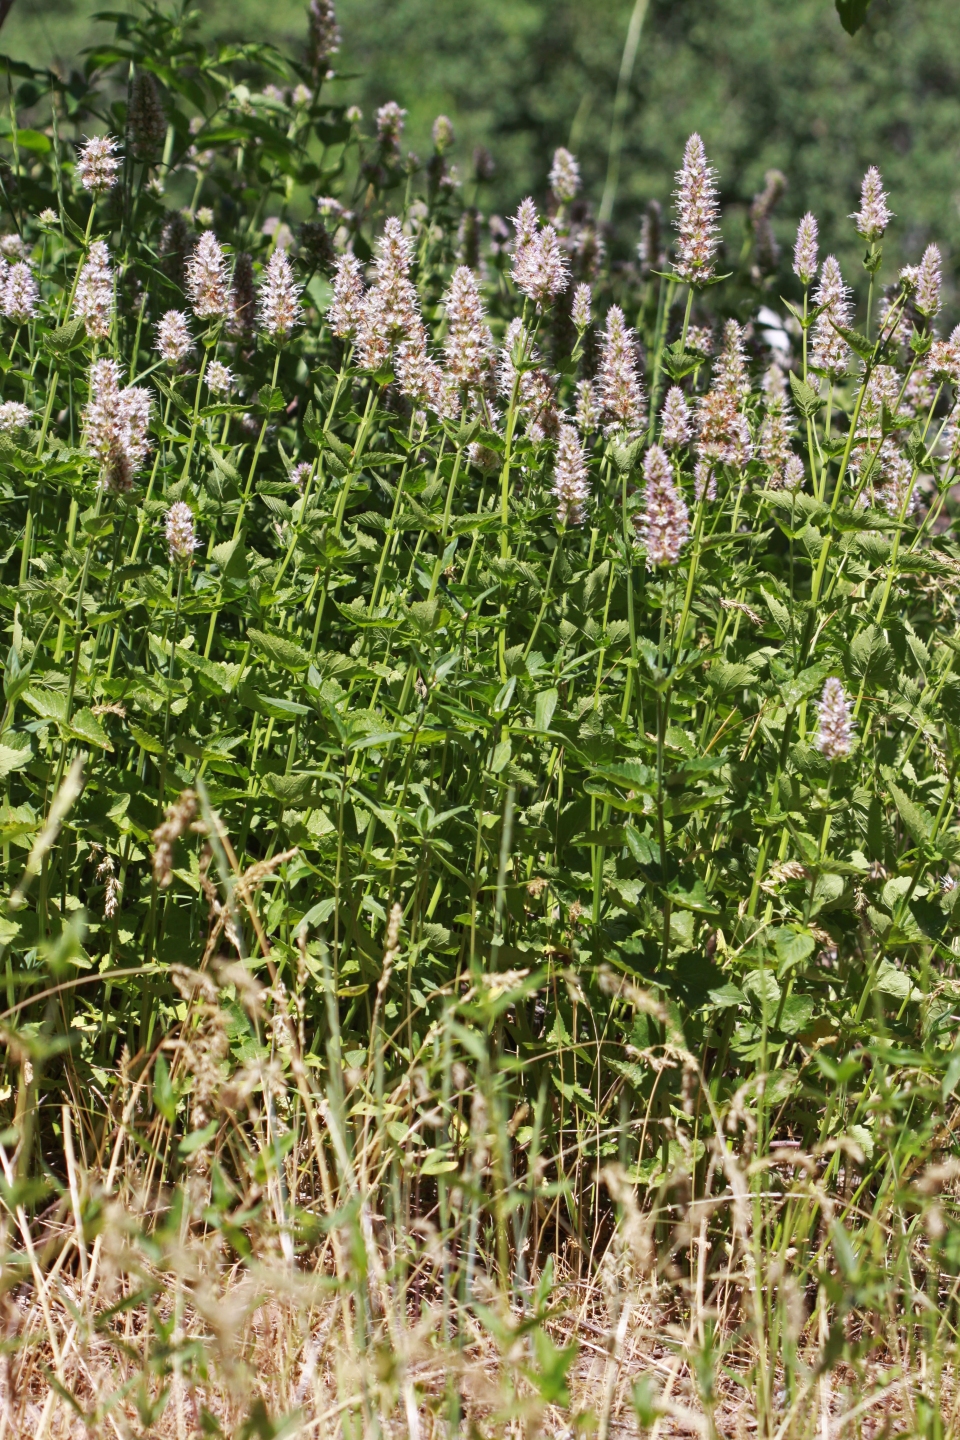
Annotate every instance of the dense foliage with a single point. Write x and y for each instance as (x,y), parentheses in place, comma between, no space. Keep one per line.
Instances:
(452,767)
(766,85)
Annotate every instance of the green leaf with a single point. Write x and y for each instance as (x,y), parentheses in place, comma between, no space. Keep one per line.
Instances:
(65,337)
(163,1094)
(48,704)
(679,362)
(696,898)
(281,651)
(726,996)
(805,398)
(15,757)
(198,1139)
(951,1076)
(792,947)
(231,556)
(802,685)
(796,1014)
(918,821)
(291,789)
(144,739)
(761,987)
(852,14)
(858,343)
(545,705)
(894,983)
(86,726)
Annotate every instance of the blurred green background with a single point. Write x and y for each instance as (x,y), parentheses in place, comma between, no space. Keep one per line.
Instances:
(767,82)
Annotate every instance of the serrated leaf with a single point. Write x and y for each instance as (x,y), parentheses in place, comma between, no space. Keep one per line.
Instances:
(795,1015)
(805,398)
(858,343)
(86,726)
(65,337)
(918,821)
(761,987)
(792,947)
(804,684)
(544,708)
(283,652)
(14,757)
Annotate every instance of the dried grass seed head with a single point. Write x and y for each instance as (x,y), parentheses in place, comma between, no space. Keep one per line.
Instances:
(174,240)
(243,296)
(650,245)
(766,249)
(146,121)
(178,819)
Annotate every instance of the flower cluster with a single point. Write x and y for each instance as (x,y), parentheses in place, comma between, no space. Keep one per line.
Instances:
(571,486)
(180,533)
(697,214)
(20,293)
(540,270)
(776,430)
(831,353)
(469,346)
(280,308)
(835,729)
(323,36)
(97,164)
(208,279)
(622,404)
(14,416)
(115,424)
(564,176)
(874,214)
(723,427)
(220,378)
(93,303)
(174,340)
(664,525)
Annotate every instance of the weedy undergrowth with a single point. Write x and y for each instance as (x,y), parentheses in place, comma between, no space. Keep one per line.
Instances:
(479,758)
